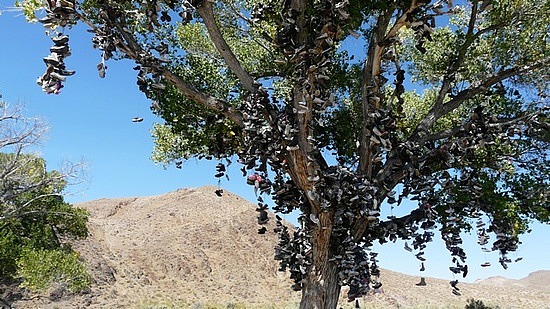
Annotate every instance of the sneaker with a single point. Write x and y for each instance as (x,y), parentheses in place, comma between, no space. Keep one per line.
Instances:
(422,268)
(101,70)
(63,50)
(57,76)
(158,86)
(456,292)
(137,119)
(52,59)
(486,264)
(455,270)
(61,40)
(64,72)
(46,20)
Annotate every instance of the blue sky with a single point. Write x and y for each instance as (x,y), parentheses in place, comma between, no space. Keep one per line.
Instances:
(90,121)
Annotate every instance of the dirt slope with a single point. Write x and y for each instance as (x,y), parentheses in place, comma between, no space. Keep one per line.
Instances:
(191,247)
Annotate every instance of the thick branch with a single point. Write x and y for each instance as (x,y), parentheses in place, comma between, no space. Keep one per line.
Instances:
(207,14)
(208,101)
(132,49)
(370,88)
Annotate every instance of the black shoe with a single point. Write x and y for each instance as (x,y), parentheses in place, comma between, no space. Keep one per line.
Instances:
(422,282)
(262,230)
(422,268)
(454,284)
(137,119)
(219,192)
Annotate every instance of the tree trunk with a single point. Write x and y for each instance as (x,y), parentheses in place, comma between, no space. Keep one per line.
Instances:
(321,289)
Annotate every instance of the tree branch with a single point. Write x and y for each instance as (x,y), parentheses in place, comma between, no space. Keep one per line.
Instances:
(207,14)
(439,109)
(370,89)
(204,99)
(371,96)
(133,50)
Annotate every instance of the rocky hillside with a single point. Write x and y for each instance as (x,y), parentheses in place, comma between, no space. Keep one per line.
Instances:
(192,248)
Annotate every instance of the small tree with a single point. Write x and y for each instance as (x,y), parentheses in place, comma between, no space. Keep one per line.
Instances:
(338,132)
(33,216)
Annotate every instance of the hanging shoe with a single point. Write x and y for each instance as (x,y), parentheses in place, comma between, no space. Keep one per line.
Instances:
(486,264)
(137,119)
(64,72)
(57,76)
(60,40)
(420,257)
(53,59)
(422,282)
(63,50)
(422,268)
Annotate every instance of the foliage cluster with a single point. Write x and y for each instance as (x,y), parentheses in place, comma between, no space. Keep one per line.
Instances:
(34,218)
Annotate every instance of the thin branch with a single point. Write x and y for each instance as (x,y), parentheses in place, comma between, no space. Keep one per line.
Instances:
(440,109)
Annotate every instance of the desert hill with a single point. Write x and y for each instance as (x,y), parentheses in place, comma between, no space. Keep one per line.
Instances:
(538,280)
(191,248)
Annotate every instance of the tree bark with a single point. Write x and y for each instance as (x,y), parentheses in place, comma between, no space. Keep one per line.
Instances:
(321,289)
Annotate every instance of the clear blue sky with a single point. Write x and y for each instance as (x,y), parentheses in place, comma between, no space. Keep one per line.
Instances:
(91,121)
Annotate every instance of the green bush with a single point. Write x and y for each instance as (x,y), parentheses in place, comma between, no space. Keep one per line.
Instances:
(477,304)
(40,269)
(35,221)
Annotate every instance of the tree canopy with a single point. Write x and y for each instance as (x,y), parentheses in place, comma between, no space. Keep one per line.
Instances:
(338,108)
(35,221)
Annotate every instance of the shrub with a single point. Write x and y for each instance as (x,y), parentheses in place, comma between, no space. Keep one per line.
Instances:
(477,304)
(40,269)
